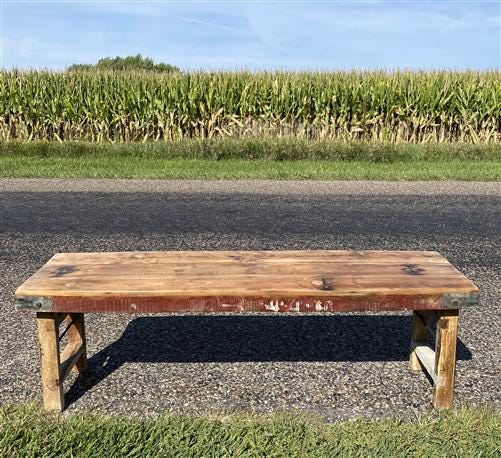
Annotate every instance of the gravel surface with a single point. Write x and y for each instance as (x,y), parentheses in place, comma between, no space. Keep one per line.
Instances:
(340,366)
(254,186)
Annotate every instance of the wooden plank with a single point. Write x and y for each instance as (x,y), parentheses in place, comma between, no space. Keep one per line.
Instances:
(69,357)
(445,359)
(418,338)
(427,358)
(285,256)
(325,285)
(256,275)
(248,281)
(246,269)
(240,283)
(384,254)
(76,337)
(217,304)
(52,386)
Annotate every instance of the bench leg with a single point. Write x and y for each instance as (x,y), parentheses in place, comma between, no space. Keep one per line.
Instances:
(56,365)
(445,358)
(48,335)
(419,337)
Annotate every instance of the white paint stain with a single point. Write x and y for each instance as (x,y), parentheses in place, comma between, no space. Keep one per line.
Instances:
(272,307)
(318,306)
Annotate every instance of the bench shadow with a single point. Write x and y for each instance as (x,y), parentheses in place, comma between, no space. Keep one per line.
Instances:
(238,338)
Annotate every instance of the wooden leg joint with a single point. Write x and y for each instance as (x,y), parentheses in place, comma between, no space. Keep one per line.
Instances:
(439,364)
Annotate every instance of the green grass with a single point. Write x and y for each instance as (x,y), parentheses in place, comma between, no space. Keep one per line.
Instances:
(119,167)
(266,148)
(252,159)
(25,431)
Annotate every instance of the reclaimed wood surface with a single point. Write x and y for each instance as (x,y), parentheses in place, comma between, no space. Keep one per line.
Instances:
(50,360)
(317,280)
(445,359)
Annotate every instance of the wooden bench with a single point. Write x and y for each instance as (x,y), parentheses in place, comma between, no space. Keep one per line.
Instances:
(72,284)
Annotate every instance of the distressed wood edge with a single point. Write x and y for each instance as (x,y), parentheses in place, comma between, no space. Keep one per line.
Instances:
(442,302)
(242,304)
(355,253)
(34,304)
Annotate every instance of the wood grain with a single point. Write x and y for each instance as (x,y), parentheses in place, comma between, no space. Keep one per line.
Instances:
(445,358)
(208,269)
(271,274)
(217,304)
(426,357)
(52,384)
(366,256)
(76,338)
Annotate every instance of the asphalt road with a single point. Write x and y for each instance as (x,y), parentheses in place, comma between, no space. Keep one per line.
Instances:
(340,366)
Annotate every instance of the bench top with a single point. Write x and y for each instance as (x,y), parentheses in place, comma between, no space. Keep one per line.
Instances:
(238,277)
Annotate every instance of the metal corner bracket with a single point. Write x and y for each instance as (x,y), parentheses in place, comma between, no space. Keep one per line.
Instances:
(34,304)
(457,301)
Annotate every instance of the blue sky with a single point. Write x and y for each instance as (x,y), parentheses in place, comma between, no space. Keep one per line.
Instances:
(256,34)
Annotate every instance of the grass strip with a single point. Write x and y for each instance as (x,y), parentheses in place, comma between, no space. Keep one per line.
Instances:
(254,158)
(26,431)
(266,148)
(100,166)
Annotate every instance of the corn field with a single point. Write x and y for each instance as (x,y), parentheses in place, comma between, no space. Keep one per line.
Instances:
(411,107)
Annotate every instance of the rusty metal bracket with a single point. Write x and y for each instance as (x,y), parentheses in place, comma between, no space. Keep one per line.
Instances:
(34,304)
(458,301)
